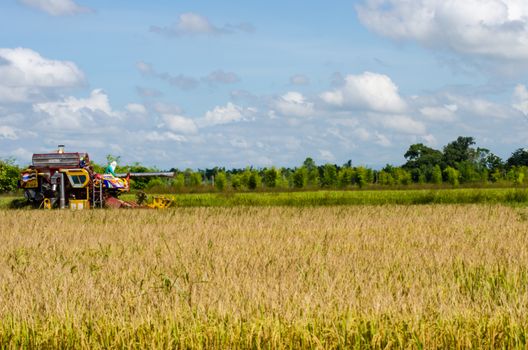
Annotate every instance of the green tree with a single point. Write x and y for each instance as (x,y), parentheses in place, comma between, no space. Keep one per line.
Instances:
(270,177)
(329,178)
(459,151)
(452,175)
(436,175)
(220,181)
(300,177)
(253,180)
(420,156)
(9,175)
(518,158)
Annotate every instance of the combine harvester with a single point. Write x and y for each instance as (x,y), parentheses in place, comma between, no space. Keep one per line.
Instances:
(67,180)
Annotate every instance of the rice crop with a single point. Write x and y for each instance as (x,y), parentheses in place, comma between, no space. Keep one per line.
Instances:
(331,198)
(422,276)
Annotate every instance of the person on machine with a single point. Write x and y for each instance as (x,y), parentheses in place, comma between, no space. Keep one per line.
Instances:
(110,169)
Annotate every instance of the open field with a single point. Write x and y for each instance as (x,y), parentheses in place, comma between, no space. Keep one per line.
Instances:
(431,276)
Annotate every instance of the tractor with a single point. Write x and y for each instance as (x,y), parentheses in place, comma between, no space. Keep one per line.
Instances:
(67,180)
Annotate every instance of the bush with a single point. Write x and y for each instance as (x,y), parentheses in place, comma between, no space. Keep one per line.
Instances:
(9,175)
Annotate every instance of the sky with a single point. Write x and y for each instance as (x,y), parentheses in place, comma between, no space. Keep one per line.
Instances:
(190,84)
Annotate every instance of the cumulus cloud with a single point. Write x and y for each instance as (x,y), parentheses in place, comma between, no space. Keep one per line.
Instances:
(367,91)
(226,114)
(56,7)
(180,124)
(446,113)
(485,28)
(294,104)
(193,24)
(136,108)
(72,112)
(520,96)
(480,107)
(25,73)
(7,132)
(404,124)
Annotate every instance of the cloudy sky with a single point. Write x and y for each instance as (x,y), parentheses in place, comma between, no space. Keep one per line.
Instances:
(235,83)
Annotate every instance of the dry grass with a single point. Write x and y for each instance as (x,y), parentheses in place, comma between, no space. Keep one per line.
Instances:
(451,276)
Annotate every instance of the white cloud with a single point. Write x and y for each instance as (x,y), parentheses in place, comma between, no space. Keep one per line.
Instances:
(369,91)
(73,112)
(326,155)
(24,72)
(487,28)
(404,124)
(479,107)
(430,140)
(56,7)
(193,24)
(446,113)
(7,132)
(136,108)
(520,96)
(226,114)
(155,136)
(299,79)
(180,124)
(382,140)
(294,104)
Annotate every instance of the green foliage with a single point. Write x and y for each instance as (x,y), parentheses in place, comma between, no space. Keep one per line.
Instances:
(436,175)
(220,181)
(270,177)
(9,175)
(518,158)
(452,175)
(300,177)
(329,179)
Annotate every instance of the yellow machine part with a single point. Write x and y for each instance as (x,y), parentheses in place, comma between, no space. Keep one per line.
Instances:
(46,203)
(79,204)
(160,203)
(79,178)
(33,181)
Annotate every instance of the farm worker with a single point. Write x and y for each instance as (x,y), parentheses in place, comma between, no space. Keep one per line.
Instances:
(110,169)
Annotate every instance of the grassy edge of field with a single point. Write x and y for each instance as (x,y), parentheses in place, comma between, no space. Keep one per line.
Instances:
(513,196)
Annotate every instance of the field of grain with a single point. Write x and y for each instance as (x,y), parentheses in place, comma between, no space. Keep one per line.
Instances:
(428,276)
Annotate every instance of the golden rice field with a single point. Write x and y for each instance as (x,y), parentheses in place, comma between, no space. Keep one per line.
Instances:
(428,276)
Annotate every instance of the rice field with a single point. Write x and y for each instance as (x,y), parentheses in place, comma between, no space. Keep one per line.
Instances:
(427,276)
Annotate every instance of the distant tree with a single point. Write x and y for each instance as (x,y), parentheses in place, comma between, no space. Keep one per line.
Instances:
(436,175)
(329,178)
(270,177)
(9,175)
(253,181)
(459,151)
(300,177)
(452,175)
(518,158)
(312,172)
(220,181)
(420,156)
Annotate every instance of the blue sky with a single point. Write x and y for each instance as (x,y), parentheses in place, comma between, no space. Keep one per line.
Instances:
(198,84)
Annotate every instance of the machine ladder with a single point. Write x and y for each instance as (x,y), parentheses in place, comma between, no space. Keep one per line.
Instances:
(97,195)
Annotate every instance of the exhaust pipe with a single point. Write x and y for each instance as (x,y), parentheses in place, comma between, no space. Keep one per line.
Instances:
(62,192)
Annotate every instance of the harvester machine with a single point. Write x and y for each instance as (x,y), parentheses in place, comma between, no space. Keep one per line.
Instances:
(67,180)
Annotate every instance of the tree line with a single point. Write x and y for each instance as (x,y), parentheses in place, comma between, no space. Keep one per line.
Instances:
(458,162)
